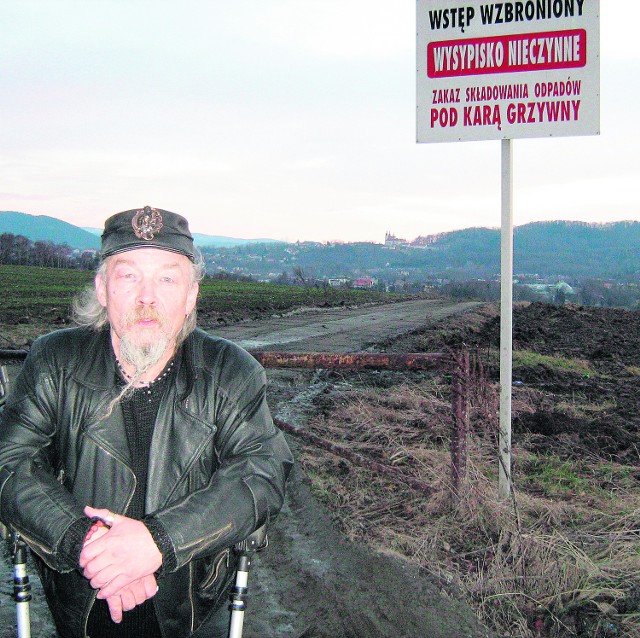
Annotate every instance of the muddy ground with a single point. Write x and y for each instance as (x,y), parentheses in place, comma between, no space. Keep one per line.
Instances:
(603,343)
(311,582)
(341,329)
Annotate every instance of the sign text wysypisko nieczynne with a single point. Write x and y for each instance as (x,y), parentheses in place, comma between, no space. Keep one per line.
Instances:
(498,70)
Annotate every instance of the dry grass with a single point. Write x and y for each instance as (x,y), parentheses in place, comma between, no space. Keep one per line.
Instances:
(560,559)
(529,358)
(20,335)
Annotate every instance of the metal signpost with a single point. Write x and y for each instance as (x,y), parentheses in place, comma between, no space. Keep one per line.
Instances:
(500,71)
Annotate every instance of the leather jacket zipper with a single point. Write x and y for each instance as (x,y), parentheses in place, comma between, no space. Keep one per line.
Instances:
(32,543)
(111,453)
(222,557)
(88,607)
(108,450)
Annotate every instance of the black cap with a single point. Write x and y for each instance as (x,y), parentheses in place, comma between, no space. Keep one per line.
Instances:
(147,228)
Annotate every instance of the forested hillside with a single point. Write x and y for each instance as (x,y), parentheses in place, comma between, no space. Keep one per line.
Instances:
(546,249)
(571,251)
(47,229)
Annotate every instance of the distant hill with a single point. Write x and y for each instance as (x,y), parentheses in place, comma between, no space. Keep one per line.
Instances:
(217,240)
(559,248)
(548,249)
(208,240)
(576,249)
(579,249)
(45,228)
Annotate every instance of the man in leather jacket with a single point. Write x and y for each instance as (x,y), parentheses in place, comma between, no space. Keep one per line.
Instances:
(136,450)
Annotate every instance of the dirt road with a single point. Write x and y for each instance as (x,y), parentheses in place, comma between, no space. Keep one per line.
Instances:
(340,330)
(310,582)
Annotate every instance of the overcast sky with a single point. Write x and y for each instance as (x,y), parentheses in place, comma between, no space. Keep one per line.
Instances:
(287,119)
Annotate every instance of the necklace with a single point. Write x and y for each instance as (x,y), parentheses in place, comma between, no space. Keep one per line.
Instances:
(147,385)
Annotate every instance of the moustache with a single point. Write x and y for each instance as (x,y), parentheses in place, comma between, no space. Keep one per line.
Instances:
(143,314)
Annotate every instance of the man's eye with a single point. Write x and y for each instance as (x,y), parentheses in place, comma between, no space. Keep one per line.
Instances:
(127,277)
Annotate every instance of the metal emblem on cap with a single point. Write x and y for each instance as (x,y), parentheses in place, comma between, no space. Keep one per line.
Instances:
(146,223)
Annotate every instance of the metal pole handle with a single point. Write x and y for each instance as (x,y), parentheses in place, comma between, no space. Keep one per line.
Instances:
(21,587)
(246,549)
(21,584)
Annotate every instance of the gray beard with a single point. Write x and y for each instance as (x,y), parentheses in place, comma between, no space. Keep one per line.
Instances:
(142,356)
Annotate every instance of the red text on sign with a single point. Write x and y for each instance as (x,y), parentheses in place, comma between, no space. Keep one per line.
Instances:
(507,54)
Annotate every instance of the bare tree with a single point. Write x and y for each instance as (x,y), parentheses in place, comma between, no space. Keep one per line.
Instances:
(299,275)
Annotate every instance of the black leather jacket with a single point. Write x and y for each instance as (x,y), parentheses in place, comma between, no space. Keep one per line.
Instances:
(217,467)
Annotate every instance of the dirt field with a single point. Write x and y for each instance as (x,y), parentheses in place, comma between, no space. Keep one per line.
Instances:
(311,582)
(576,394)
(603,346)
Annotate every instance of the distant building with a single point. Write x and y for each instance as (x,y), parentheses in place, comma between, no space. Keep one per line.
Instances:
(364,283)
(550,292)
(391,241)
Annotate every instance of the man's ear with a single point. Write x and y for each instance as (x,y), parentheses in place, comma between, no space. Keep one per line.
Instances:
(100,284)
(192,298)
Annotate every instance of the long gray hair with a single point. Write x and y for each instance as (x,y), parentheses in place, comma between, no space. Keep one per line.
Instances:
(88,312)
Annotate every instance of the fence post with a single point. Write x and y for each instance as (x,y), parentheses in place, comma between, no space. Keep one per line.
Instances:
(460,411)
